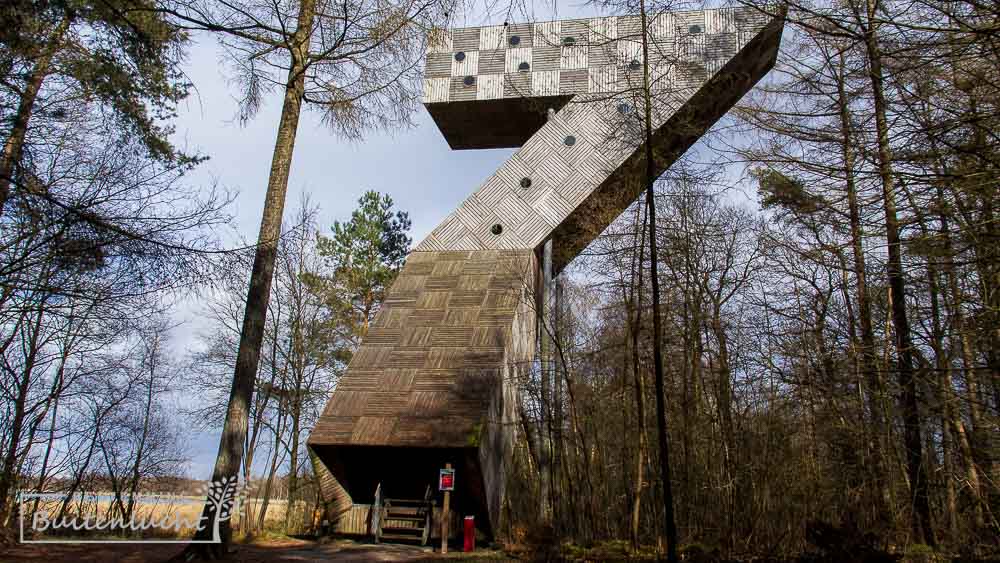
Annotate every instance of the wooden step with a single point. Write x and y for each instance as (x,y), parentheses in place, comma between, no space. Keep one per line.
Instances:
(405,501)
(405,517)
(400,537)
(402,530)
(405,520)
(406,509)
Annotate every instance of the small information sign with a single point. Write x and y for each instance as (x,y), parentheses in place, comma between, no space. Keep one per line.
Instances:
(446,481)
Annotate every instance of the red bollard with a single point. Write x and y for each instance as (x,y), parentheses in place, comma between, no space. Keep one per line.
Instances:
(470,533)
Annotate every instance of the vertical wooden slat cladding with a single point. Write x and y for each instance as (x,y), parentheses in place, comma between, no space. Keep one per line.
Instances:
(579,30)
(335,498)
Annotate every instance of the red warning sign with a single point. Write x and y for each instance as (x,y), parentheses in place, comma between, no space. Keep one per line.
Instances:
(446,480)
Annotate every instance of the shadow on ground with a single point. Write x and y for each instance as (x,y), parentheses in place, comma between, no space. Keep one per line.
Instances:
(276,550)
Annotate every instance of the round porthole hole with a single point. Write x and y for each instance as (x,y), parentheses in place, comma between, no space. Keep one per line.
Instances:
(514,40)
(569,41)
(624,108)
(694,29)
(525,183)
(469,80)
(634,65)
(497,229)
(460,56)
(569,141)
(523,67)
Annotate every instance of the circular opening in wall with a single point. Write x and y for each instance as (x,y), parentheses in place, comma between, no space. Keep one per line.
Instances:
(523,67)
(525,183)
(496,229)
(624,108)
(460,56)
(569,141)
(514,40)
(634,65)
(469,80)
(694,29)
(569,41)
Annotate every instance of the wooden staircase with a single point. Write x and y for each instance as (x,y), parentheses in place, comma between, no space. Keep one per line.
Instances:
(402,520)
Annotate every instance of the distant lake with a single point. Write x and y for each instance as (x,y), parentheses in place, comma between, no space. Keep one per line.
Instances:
(109,497)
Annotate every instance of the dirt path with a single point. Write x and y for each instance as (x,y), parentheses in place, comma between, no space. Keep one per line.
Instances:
(283,550)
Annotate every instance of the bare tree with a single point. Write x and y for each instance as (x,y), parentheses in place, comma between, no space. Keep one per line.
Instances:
(358,65)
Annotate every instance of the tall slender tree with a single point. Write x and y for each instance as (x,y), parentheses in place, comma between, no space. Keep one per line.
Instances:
(357,64)
(649,180)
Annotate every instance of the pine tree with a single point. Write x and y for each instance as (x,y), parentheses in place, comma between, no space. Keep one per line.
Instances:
(363,255)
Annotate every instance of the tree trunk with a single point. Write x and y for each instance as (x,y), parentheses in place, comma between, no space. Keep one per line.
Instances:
(921,524)
(8,478)
(726,421)
(635,304)
(661,415)
(234,432)
(881,496)
(951,414)
(79,475)
(942,365)
(43,472)
(293,462)
(545,353)
(137,466)
(275,462)
(13,148)
(559,375)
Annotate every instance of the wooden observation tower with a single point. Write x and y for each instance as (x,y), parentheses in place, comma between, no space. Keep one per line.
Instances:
(434,381)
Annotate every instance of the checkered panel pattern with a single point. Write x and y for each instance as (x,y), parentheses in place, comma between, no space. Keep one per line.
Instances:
(574,152)
(519,55)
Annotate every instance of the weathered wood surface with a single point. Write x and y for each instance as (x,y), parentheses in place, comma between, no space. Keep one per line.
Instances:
(434,358)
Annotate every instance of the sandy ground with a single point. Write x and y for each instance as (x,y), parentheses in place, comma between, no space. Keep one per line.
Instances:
(283,550)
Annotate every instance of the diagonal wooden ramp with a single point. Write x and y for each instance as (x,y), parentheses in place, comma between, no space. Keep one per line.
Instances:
(434,380)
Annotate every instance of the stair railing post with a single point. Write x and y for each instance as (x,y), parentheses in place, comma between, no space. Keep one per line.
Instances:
(428,513)
(377,513)
(445,516)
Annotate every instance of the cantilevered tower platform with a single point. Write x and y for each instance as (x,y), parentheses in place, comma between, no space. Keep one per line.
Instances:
(434,380)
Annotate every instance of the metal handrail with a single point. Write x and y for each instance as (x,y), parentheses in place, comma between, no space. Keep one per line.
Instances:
(428,511)
(377,510)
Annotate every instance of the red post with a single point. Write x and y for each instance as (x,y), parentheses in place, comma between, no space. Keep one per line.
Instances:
(470,533)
